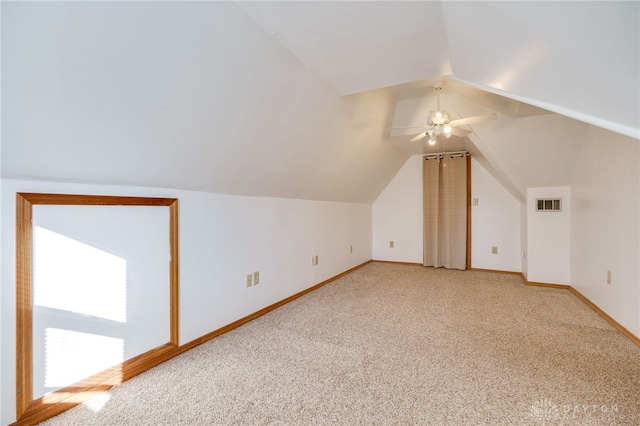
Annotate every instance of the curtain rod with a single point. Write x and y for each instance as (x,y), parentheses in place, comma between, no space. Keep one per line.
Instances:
(437,154)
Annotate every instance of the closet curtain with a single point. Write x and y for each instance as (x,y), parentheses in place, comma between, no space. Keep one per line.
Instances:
(445,211)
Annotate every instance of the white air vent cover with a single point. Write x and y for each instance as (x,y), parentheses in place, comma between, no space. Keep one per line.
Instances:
(548,204)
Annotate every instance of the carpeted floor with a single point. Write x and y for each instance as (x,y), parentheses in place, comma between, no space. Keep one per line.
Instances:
(396,344)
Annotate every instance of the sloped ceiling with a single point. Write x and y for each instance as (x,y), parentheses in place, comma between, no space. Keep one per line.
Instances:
(577,58)
(549,69)
(358,46)
(189,95)
(293,99)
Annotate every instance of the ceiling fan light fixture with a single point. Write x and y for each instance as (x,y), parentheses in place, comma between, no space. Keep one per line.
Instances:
(438,117)
(433,136)
(439,122)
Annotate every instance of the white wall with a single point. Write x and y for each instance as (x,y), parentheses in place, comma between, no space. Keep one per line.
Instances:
(548,237)
(605,228)
(222,238)
(495,221)
(397,216)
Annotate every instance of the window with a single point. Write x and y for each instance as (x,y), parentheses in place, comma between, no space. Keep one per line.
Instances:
(78,289)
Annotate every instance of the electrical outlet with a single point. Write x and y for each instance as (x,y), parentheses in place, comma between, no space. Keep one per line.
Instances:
(476,201)
(350,249)
(494,250)
(316,259)
(608,276)
(256,278)
(249,280)
(392,244)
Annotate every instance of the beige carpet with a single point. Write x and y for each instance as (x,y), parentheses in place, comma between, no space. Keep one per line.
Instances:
(396,344)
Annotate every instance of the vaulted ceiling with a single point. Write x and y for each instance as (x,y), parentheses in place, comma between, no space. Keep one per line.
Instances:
(294,99)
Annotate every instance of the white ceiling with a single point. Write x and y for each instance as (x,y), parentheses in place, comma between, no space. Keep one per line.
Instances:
(359,45)
(293,99)
(523,60)
(581,59)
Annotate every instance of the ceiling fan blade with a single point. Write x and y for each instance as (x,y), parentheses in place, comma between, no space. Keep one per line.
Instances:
(418,137)
(473,120)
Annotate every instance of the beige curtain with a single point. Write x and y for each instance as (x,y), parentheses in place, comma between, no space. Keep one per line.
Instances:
(445,211)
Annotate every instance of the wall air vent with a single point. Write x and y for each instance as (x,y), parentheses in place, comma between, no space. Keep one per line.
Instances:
(548,204)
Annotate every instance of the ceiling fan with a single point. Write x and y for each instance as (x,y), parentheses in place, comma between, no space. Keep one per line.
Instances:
(439,123)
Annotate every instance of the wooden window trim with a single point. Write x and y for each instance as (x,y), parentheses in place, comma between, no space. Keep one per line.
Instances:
(26,406)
